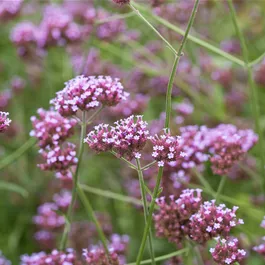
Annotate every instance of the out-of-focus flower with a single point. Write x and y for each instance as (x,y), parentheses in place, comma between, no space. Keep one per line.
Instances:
(51,128)
(55,257)
(66,179)
(45,239)
(227,252)
(260,73)
(212,221)
(63,199)
(4,121)
(17,84)
(260,248)
(59,158)
(9,9)
(5,98)
(47,218)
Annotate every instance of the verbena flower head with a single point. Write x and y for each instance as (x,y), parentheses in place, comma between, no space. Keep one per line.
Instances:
(130,136)
(171,221)
(56,257)
(212,221)
(86,93)
(4,121)
(57,27)
(227,252)
(59,158)
(47,218)
(165,148)
(3,260)
(51,128)
(127,137)
(100,139)
(229,146)
(24,37)
(9,9)
(117,247)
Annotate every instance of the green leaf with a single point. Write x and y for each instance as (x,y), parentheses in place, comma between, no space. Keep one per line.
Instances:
(14,188)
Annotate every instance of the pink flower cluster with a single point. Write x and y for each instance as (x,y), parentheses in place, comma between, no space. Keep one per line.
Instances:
(9,9)
(56,29)
(86,93)
(229,146)
(121,2)
(127,137)
(59,158)
(4,121)
(118,246)
(212,221)
(171,221)
(227,252)
(187,216)
(55,257)
(51,128)
(47,218)
(165,148)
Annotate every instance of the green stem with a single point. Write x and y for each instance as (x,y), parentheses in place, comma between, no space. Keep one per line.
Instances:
(194,39)
(143,194)
(150,215)
(111,195)
(220,188)
(91,214)
(175,65)
(115,17)
(164,257)
(18,153)
(138,13)
(94,115)
(75,182)
(148,165)
(253,90)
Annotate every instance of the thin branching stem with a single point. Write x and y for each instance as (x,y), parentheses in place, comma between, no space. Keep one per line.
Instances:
(75,182)
(220,188)
(150,215)
(143,194)
(123,159)
(175,65)
(138,13)
(92,215)
(149,165)
(253,90)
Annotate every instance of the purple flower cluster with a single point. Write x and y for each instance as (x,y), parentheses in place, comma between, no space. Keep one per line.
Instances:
(51,128)
(86,93)
(55,257)
(59,158)
(127,137)
(118,246)
(9,9)
(47,218)
(121,2)
(187,216)
(4,121)
(165,148)
(56,29)
(227,252)
(171,221)
(212,221)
